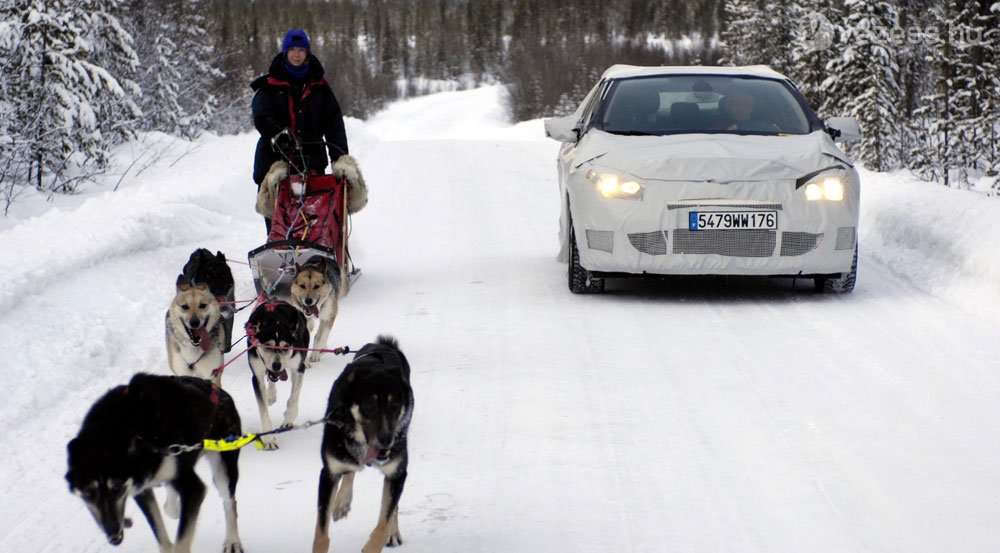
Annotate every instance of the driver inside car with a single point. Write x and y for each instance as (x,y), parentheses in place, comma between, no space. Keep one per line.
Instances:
(739,113)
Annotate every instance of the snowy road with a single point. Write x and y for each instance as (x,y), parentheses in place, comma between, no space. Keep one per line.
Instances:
(687,415)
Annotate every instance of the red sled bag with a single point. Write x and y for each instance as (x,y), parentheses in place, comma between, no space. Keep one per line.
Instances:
(311,210)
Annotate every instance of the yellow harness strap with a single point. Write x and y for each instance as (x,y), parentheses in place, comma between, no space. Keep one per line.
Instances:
(231,444)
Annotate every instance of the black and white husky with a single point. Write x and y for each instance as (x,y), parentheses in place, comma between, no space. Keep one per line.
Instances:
(275,328)
(368,414)
(122,451)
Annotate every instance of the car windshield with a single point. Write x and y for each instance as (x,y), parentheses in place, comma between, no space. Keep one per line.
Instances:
(704,104)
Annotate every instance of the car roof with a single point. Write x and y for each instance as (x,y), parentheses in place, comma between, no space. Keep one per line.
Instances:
(622,71)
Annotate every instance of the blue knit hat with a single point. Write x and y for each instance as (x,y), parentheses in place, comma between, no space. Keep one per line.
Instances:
(296,38)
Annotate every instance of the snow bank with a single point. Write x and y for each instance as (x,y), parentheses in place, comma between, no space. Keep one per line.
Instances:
(106,224)
(943,241)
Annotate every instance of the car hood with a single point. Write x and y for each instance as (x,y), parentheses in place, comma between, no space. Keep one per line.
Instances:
(711,157)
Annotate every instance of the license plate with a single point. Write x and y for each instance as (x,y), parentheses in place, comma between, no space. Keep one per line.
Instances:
(732,220)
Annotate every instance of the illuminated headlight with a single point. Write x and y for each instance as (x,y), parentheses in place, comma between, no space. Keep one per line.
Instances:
(826,188)
(613,186)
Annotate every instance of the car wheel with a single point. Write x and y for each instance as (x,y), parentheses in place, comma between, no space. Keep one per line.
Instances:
(842,284)
(580,281)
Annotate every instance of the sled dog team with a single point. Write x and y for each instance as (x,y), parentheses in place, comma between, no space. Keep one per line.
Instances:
(128,441)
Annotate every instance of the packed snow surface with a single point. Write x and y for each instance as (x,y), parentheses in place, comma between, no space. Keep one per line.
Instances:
(689,414)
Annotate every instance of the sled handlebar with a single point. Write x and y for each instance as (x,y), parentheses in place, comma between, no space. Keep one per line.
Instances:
(286,140)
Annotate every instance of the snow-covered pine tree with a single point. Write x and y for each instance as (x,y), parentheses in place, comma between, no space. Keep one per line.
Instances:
(741,22)
(863,82)
(118,115)
(15,142)
(203,70)
(15,134)
(943,122)
(759,32)
(965,38)
(161,81)
(61,90)
(986,57)
(65,89)
(914,76)
(814,45)
(178,66)
(956,125)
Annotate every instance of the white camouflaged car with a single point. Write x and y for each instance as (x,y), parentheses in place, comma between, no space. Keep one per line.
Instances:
(705,171)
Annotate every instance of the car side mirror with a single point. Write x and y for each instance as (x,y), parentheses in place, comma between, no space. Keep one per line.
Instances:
(843,129)
(563,129)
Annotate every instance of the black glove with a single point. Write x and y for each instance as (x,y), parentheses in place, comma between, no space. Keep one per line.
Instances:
(283,141)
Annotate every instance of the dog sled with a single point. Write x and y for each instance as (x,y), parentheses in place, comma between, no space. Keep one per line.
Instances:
(310,222)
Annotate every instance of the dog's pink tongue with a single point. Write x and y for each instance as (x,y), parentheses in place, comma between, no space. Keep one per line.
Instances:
(312,311)
(204,340)
(370,454)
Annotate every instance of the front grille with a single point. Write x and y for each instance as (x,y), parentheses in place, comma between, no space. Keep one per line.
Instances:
(798,243)
(603,240)
(846,238)
(653,243)
(732,243)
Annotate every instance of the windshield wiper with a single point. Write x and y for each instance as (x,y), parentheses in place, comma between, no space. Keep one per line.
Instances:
(633,133)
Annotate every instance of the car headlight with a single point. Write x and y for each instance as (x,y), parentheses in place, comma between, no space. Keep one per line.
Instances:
(611,185)
(826,188)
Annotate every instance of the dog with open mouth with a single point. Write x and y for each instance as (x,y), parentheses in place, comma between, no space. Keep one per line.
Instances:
(278,336)
(199,321)
(123,450)
(195,332)
(213,270)
(368,418)
(316,290)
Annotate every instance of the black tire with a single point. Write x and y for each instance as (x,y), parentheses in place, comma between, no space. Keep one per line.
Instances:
(580,281)
(844,283)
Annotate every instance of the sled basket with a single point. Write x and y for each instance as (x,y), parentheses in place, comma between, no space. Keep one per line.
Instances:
(274,264)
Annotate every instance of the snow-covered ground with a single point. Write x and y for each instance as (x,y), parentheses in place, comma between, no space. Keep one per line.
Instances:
(687,415)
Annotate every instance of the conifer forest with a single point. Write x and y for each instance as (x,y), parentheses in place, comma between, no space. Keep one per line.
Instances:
(79,77)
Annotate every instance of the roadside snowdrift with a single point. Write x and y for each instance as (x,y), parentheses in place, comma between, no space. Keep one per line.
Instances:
(941,240)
